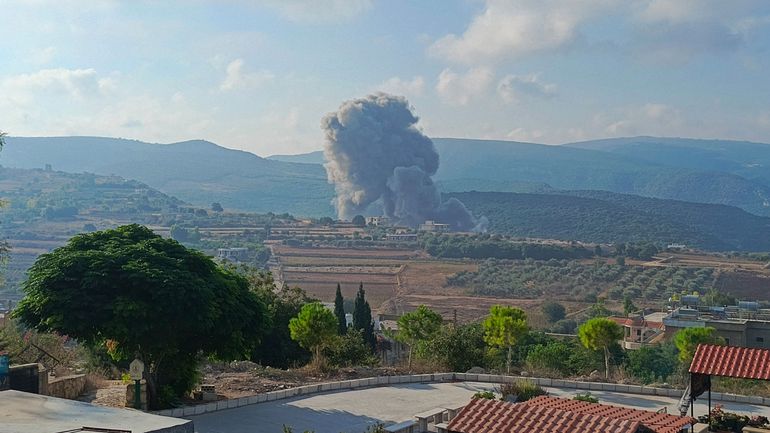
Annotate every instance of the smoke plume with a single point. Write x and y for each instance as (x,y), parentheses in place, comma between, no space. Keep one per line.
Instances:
(376,157)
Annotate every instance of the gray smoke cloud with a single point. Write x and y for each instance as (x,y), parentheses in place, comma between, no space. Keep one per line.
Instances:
(375,155)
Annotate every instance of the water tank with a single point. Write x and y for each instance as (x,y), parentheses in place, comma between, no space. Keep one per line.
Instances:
(690,300)
(748,305)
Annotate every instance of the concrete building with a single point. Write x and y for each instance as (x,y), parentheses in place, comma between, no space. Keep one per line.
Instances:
(742,325)
(641,330)
(233,254)
(433,227)
(377,221)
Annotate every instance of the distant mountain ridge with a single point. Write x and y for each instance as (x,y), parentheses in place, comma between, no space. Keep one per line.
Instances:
(200,172)
(623,165)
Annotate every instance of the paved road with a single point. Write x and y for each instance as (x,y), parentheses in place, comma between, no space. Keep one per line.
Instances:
(353,411)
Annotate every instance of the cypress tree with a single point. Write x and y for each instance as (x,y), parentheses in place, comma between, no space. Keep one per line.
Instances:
(362,317)
(339,311)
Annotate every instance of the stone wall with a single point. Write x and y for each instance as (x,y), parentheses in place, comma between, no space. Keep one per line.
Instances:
(69,387)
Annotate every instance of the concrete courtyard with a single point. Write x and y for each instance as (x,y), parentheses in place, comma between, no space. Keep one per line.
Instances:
(353,411)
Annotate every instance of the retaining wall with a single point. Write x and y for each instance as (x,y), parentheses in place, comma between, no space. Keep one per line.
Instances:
(443,377)
(69,387)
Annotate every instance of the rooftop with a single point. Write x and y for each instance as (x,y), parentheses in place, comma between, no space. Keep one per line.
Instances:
(729,361)
(494,416)
(657,422)
(23,412)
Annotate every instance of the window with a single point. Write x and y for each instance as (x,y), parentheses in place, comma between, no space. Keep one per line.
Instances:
(760,339)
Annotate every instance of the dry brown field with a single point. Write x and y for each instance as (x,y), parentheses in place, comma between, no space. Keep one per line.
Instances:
(394,285)
(706,261)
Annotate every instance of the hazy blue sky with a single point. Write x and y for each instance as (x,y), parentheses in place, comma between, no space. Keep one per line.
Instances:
(259,75)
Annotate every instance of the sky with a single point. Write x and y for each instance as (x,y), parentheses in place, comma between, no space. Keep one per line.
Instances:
(259,75)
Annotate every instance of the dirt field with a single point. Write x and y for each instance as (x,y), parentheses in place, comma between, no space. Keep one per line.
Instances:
(396,281)
(706,261)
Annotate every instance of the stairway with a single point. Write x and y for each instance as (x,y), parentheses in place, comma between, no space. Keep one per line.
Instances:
(684,402)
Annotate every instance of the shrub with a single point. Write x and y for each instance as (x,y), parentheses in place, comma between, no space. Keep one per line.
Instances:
(349,350)
(650,364)
(520,391)
(587,397)
(489,395)
(553,357)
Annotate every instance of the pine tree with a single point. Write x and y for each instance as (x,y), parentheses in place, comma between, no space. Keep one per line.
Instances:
(339,311)
(362,317)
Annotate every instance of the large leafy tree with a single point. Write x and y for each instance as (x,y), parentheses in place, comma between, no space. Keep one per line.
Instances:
(277,349)
(688,339)
(503,328)
(418,326)
(458,348)
(313,327)
(139,294)
(339,311)
(599,334)
(362,317)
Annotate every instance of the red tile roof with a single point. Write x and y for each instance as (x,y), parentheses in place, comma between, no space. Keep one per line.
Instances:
(741,362)
(636,321)
(494,416)
(657,422)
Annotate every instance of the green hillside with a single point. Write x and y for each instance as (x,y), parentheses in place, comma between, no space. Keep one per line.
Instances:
(566,167)
(593,216)
(198,172)
(720,172)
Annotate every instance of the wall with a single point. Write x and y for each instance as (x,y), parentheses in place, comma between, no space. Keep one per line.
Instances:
(29,378)
(442,377)
(69,387)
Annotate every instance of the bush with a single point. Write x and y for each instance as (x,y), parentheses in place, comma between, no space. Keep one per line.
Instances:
(587,397)
(651,364)
(520,391)
(489,395)
(553,311)
(552,357)
(457,348)
(349,350)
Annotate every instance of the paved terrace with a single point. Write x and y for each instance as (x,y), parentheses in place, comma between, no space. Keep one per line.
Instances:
(352,411)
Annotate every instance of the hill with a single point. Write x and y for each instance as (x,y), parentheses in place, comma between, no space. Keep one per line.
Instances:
(316,157)
(595,216)
(199,172)
(742,158)
(724,173)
